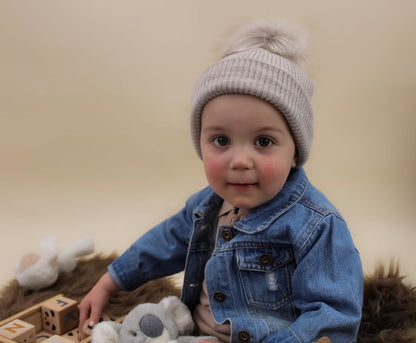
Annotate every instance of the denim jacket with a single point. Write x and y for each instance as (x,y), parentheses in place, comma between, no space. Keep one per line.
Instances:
(288,272)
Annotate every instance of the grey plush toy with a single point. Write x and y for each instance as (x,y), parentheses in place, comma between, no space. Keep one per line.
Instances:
(169,321)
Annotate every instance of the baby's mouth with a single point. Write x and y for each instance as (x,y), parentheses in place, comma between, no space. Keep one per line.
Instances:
(242,185)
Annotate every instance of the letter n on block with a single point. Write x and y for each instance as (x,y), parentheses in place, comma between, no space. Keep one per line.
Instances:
(59,315)
(19,331)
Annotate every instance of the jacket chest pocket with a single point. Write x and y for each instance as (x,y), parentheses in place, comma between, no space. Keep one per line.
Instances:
(266,274)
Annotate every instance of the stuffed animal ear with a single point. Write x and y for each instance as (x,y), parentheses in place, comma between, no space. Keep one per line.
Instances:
(67,258)
(106,332)
(39,271)
(180,313)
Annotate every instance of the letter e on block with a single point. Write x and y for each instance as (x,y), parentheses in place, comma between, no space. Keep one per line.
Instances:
(59,315)
(19,331)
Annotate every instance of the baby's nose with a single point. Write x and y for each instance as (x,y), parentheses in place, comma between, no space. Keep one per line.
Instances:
(241,159)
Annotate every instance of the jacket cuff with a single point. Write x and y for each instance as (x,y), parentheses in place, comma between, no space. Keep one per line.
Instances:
(120,270)
(115,277)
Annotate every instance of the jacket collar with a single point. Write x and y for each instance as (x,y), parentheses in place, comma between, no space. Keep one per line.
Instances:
(260,218)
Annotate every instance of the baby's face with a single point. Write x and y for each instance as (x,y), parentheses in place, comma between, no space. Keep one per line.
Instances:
(247,149)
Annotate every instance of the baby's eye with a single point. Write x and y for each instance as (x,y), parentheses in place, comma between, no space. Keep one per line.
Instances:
(264,142)
(221,140)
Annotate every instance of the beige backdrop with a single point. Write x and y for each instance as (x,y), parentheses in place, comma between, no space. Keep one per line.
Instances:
(94,135)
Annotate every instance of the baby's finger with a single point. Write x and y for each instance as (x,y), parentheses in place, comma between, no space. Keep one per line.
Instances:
(87,327)
(83,316)
(94,318)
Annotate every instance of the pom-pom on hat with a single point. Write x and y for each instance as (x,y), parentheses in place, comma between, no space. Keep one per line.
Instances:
(262,61)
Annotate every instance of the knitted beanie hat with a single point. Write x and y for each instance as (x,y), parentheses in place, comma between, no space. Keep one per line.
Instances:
(263,61)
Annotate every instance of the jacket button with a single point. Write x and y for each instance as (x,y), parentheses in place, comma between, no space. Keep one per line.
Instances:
(265,260)
(244,336)
(227,235)
(219,297)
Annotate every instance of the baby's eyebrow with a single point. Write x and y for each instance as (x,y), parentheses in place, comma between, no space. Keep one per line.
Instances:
(258,130)
(213,128)
(270,128)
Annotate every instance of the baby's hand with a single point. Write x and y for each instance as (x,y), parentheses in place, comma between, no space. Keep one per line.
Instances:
(91,307)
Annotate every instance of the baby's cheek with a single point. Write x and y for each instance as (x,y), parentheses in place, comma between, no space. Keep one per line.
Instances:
(274,173)
(270,170)
(213,169)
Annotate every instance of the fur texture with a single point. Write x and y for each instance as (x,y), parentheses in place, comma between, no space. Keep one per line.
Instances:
(40,271)
(15,298)
(389,309)
(276,37)
(105,332)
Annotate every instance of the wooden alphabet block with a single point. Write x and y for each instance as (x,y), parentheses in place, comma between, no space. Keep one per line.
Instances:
(34,318)
(6,340)
(72,335)
(19,331)
(57,339)
(88,329)
(43,336)
(59,315)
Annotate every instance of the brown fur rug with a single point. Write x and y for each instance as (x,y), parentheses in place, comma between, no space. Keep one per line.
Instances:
(389,309)
(14,298)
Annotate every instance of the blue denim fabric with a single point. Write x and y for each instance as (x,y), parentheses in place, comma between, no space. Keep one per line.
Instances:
(288,272)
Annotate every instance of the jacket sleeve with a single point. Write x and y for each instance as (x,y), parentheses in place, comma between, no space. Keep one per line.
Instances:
(327,286)
(159,252)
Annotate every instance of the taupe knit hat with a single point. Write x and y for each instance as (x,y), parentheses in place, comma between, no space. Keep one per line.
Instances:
(262,61)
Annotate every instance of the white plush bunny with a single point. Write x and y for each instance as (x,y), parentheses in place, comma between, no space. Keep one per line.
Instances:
(37,271)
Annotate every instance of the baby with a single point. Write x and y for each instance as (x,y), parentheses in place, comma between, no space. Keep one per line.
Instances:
(267,257)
